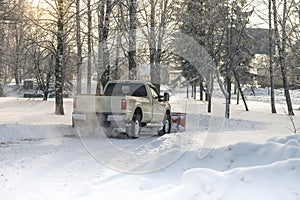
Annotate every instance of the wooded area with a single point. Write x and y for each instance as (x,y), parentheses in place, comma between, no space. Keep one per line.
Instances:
(66,44)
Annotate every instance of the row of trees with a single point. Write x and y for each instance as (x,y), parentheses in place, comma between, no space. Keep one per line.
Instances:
(61,41)
(223,27)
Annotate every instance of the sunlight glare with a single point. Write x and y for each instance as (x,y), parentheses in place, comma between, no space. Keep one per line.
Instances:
(35,3)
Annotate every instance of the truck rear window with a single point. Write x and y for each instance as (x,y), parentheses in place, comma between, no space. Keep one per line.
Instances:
(122,89)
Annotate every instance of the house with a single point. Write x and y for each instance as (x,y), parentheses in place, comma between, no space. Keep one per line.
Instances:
(260,45)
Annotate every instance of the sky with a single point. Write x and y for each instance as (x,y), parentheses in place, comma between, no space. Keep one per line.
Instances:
(260,15)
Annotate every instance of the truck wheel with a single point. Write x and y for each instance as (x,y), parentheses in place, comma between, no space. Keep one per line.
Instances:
(167,125)
(136,125)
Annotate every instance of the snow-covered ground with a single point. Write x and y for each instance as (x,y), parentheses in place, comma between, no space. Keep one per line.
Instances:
(254,155)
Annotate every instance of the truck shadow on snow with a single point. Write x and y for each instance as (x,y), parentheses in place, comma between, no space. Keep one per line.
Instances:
(195,123)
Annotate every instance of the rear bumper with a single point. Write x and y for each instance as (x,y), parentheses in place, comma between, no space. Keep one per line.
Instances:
(107,120)
(115,118)
(77,116)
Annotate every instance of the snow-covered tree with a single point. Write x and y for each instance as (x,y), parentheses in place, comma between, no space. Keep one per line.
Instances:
(220,27)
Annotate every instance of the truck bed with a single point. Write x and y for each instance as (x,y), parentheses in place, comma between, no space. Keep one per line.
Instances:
(98,104)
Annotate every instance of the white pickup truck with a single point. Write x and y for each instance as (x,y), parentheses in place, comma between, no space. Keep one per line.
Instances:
(125,107)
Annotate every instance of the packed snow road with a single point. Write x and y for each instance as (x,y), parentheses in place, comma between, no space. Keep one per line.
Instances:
(56,166)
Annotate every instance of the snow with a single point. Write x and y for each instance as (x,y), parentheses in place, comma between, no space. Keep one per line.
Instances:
(253,155)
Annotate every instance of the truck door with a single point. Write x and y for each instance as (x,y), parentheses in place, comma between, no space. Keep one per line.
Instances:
(158,110)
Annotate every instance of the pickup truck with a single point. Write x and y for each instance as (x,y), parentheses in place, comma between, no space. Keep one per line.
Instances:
(125,107)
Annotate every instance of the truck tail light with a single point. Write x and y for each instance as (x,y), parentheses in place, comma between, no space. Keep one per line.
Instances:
(123,104)
(74,102)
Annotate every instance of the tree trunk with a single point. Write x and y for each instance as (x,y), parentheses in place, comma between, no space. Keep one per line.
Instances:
(209,96)
(89,43)
(195,90)
(45,96)
(120,21)
(238,97)
(101,8)
(47,85)
(282,53)
(227,107)
(2,67)
(224,91)
(273,108)
(79,48)
(106,66)
(187,91)
(103,67)
(152,46)
(210,87)
(132,40)
(201,90)
(240,91)
(59,106)
(17,56)
(161,33)
(116,68)
(228,84)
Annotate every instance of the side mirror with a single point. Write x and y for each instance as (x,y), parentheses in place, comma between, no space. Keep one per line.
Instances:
(166,96)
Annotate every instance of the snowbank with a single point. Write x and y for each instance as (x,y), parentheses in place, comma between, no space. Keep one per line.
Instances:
(247,171)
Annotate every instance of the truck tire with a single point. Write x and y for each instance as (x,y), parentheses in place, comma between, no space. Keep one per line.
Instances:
(73,122)
(166,125)
(135,129)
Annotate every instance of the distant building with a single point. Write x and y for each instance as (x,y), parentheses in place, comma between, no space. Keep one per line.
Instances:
(259,42)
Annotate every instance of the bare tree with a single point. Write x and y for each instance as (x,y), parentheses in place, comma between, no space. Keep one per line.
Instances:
(43,71)
(281,46)
(17,39)
(58,40)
